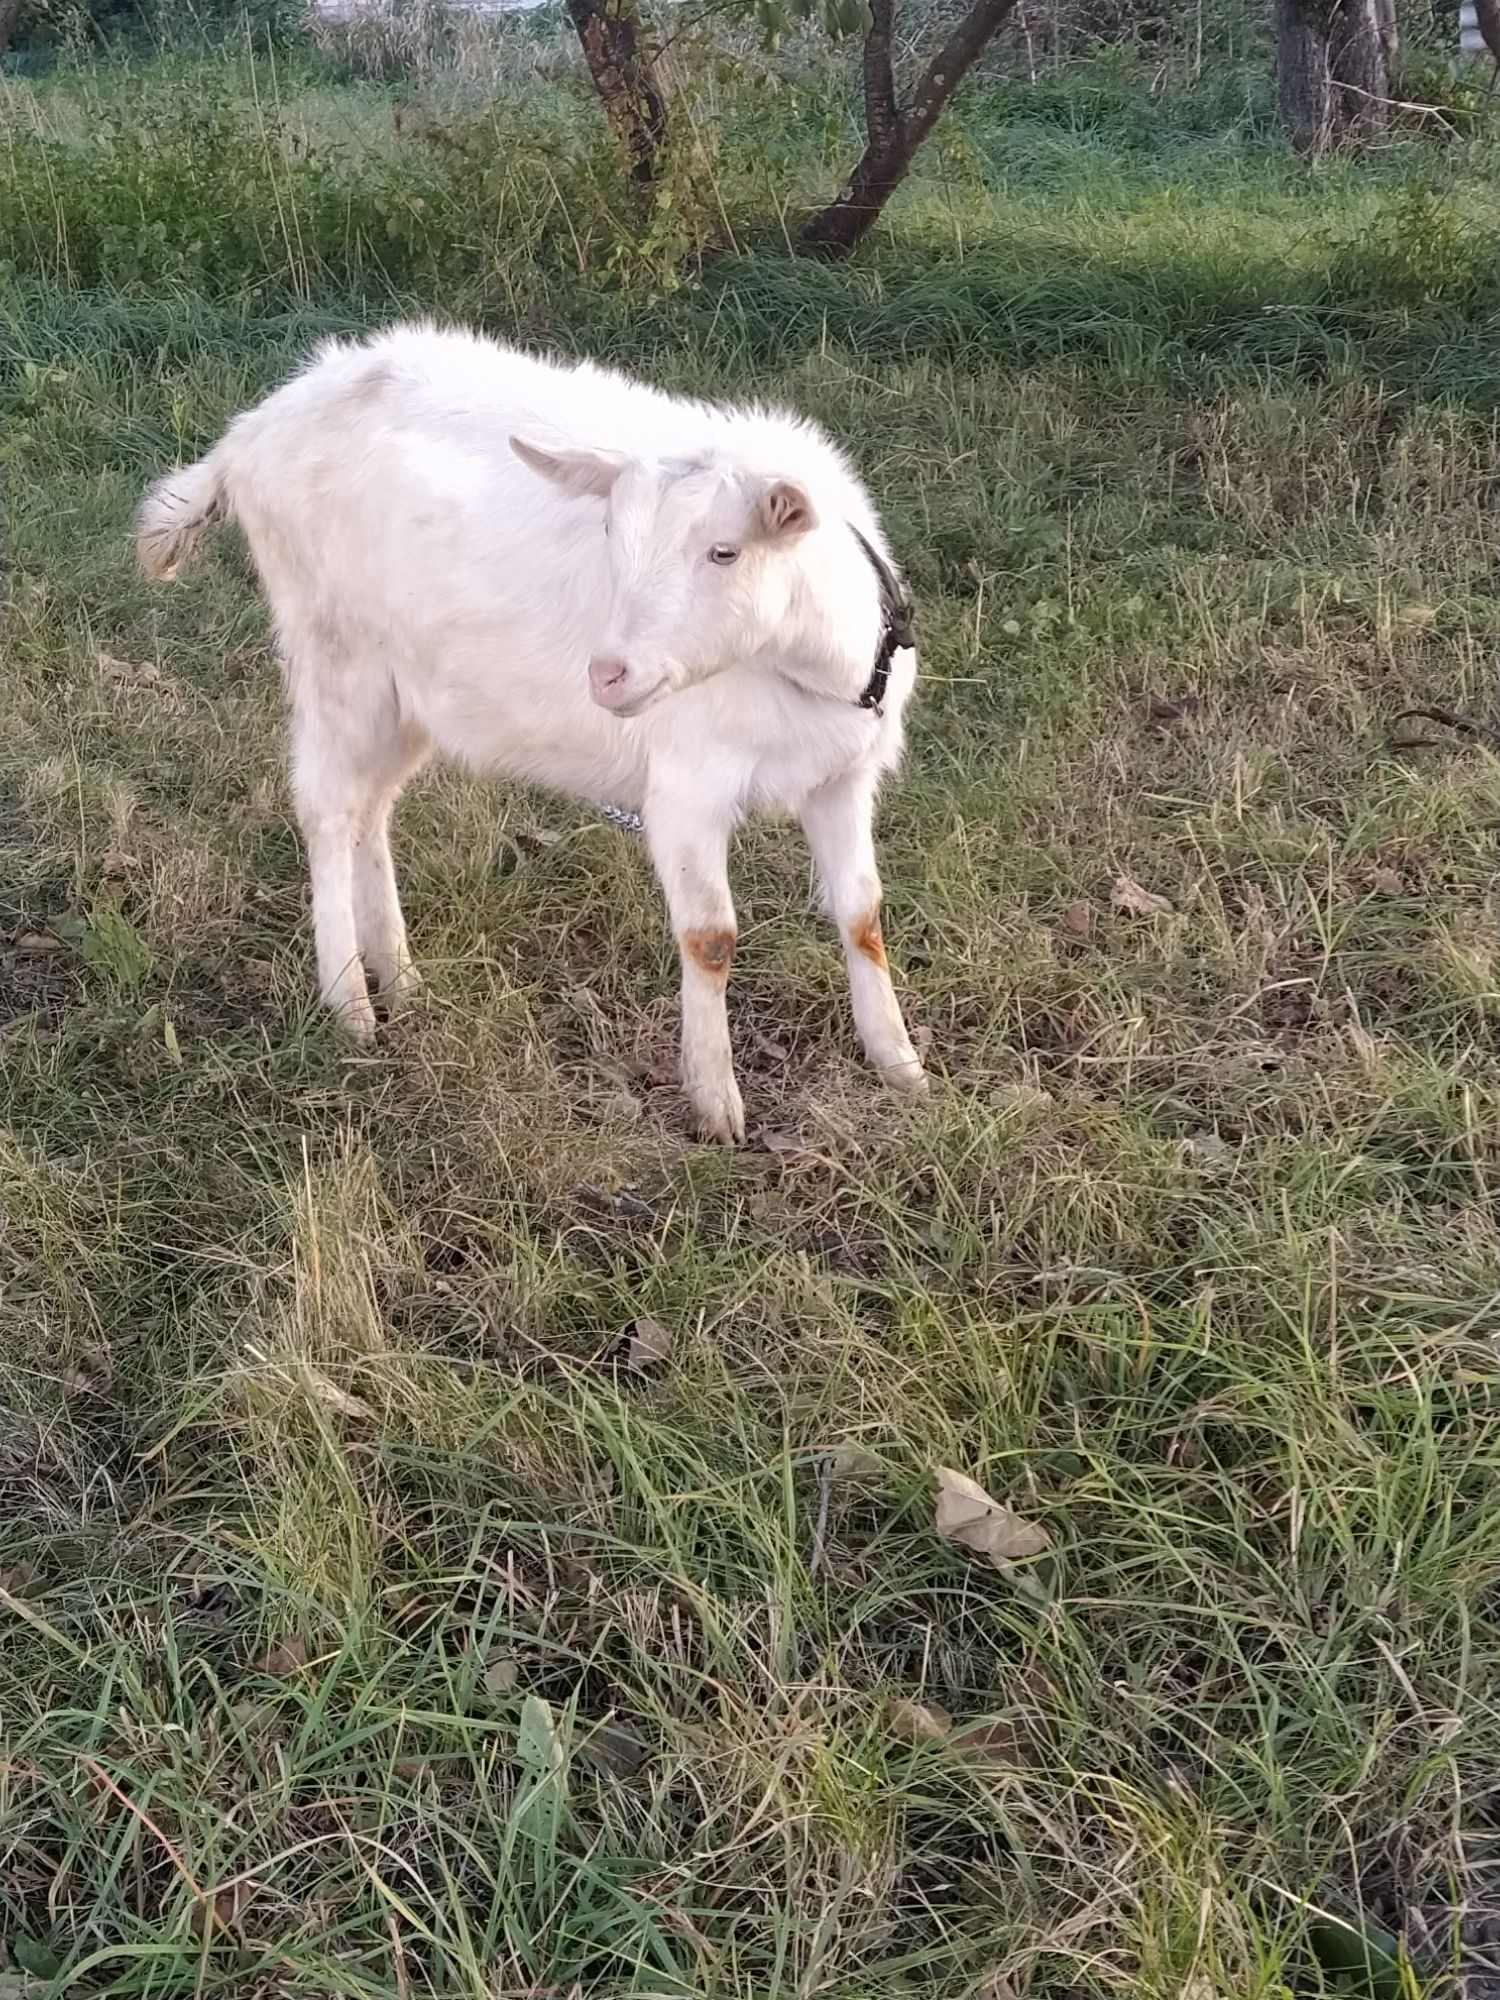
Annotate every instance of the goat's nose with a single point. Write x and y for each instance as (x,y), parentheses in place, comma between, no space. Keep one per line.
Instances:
(606,675)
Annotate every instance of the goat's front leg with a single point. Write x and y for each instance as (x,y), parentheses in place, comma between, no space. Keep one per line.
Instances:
(839,821)
(690,850)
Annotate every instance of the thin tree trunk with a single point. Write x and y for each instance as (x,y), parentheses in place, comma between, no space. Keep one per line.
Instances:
(1487,20)
(1333,69)
(10,17)
(893,134)
(1390,35)
(1360,69)
(613,38)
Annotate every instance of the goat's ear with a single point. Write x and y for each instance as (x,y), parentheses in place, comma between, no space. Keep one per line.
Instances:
(575,470)
(786,509)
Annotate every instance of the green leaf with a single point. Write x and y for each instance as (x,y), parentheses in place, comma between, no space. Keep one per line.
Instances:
(35,1957)
(113,946)
(543,1757)
(1366,1953)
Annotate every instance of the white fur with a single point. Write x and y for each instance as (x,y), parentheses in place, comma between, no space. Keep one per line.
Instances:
(505,560)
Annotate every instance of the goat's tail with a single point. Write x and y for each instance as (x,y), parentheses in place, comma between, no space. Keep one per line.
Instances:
(176,513)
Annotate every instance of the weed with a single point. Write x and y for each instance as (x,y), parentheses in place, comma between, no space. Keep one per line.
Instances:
(378,1615)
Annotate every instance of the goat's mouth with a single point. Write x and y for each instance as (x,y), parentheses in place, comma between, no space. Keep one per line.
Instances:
(632,700)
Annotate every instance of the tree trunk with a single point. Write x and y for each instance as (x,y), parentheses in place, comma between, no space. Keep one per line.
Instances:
(613,38)
(1390,35)
(1360,63)
(893,134)
(1333,69)
(10,16)
(1487,20)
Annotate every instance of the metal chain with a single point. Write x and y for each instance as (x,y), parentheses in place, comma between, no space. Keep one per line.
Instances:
(627,822)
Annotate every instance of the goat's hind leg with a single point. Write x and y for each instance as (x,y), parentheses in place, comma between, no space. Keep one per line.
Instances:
(379,924)
(346,770)
(328,828)
(839,823)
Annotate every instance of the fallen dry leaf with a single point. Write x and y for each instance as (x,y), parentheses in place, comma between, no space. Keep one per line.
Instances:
(1077,920)
(115,861)
(997,1988)
(788,1148)
(852,1461)
(650,1345)
(329,1393)
(296,1371)
(128,670)
(1004,1741)
(37,944)
(224,1908)
(503,1674)
(91,1374)
(655,1072)
(285,1659)
(1385,882)
(1206,1147)
(1163,708)
(918,1721)
(1415,617)
(680,1924)
(1128,895)
(209,1603)
(16,1581)
(616,1749)
(1009,1098)
(968,1517)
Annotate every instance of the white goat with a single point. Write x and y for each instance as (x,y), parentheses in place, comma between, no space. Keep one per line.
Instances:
(550,571)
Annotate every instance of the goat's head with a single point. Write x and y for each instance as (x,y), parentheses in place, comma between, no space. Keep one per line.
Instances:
(712,565)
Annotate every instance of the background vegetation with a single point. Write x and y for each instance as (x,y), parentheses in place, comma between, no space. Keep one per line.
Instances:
(457,1537)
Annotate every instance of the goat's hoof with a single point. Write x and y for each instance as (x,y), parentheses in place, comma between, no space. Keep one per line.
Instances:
(907,1078)
(399,991)
(357,1019)
(719,1113)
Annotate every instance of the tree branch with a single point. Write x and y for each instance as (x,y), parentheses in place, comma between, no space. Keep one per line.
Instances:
(882,119)
(951,65)
(892,134)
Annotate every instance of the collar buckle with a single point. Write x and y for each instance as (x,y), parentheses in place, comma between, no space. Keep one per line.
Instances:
(897,631)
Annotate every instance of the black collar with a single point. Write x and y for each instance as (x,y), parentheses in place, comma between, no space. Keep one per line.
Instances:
(897,629)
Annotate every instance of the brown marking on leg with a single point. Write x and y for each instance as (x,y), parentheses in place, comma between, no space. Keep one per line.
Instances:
(865,936)
(711,951)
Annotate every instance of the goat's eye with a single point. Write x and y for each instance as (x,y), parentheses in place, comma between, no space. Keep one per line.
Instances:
(723,554)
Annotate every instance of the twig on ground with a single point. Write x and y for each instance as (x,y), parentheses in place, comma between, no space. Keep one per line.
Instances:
(820,1532)
(1446,718)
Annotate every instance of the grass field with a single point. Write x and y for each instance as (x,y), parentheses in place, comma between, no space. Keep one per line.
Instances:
(382,1610)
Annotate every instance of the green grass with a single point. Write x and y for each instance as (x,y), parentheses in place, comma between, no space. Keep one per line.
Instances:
(357,1589)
